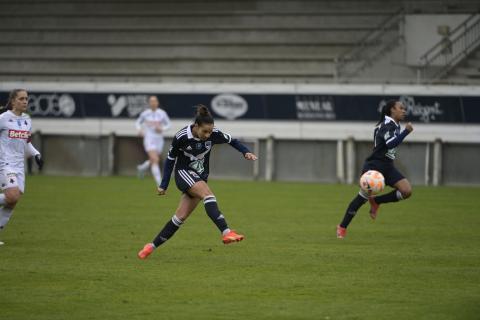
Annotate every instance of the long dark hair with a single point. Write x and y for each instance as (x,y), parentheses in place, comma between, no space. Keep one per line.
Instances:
(12,95)
(203,115)
(386,110)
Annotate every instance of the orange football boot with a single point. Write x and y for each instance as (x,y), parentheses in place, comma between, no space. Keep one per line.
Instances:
(341,232)
(146,251)
(232,236)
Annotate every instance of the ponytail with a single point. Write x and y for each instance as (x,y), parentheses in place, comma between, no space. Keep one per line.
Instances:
(203,115)
(3,109)
(386,110)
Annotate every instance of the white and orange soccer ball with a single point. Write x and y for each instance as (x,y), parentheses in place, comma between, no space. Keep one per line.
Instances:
(372,182)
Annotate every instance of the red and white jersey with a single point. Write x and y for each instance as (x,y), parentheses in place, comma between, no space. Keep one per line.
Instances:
(150,121)
(15,132)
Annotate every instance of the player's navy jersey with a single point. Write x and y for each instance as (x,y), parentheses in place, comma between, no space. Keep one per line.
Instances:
(384,132)
(192,153)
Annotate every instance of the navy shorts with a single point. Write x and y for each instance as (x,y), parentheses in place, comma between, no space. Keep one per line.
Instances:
(390,173)
(185,179)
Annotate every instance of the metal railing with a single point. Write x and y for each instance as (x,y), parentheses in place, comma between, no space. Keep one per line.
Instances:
(362,53)
(451,50)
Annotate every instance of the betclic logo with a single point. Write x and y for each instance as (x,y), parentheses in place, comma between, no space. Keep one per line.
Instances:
(19,134)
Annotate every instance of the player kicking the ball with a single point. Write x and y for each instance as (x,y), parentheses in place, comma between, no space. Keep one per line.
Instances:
(190,153)
(387,137)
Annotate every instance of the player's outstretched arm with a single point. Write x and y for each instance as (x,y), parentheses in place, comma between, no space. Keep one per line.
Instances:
(396,140)
(250,156)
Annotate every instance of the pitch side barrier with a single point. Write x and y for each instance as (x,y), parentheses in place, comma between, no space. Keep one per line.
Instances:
(255,111)
(271,117)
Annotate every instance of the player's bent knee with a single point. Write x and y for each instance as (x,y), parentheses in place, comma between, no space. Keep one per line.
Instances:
(206,193)
(204,190)
(11,199)
(406,193)
(153,157)
(200,190)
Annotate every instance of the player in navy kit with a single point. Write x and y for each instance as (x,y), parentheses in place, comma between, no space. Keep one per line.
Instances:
(387,137)
(190,153)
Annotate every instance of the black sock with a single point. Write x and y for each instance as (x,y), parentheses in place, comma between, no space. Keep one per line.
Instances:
(168,231)
(389,197)
(214,213)
(352,209)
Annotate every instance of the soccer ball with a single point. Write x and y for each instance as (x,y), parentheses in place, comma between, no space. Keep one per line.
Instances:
(372,182)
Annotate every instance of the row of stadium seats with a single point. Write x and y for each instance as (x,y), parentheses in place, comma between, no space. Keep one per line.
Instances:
(214,40)
(209,6)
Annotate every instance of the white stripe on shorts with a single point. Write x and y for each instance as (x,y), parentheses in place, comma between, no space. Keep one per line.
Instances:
(186,177)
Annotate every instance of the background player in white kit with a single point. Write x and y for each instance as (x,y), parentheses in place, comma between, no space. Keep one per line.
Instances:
(15,133)
(151,124)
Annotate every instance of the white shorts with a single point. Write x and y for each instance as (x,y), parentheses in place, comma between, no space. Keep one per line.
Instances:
(153,144)
(12,179)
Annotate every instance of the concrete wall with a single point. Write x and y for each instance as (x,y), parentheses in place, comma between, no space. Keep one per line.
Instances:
(421,33)
(310,161)
(460,164)
(292,160)
(76,155)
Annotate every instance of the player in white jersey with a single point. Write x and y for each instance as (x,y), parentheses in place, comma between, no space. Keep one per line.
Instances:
(151,124)
(15,145)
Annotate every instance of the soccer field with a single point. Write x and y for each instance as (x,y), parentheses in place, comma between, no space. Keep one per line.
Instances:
(71,250)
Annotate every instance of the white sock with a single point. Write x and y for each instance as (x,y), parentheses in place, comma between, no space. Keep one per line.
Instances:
(156,174)
(224,232)
(144,166)
(5,214)
(2,199)
(363,194)
(399,195)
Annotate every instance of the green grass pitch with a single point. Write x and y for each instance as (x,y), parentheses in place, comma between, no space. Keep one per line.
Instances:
(71,249)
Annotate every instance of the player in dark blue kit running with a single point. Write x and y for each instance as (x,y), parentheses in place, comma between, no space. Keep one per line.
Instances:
(190,153)
(387,137)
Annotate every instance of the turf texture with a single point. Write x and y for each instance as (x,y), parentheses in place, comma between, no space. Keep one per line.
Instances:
(71,248)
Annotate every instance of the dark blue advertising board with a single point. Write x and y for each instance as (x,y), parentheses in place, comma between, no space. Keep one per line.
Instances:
(288,107)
